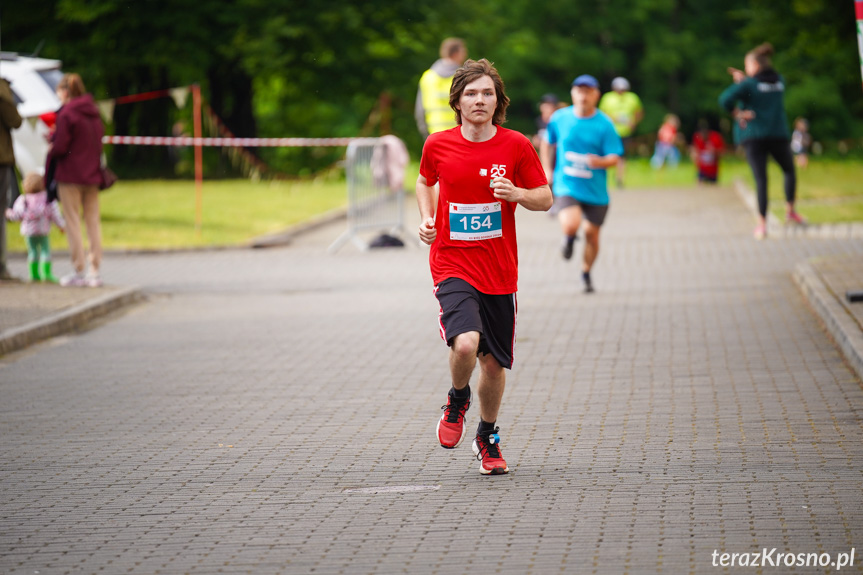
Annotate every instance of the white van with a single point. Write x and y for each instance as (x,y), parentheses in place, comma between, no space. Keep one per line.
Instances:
(34,84)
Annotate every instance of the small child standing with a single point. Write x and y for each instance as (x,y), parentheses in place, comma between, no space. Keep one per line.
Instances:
(666,143)
(707,147)
(35,213)
(800,142)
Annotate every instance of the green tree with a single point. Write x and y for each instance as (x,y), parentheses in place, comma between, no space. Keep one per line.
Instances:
(342,68)
(816,51)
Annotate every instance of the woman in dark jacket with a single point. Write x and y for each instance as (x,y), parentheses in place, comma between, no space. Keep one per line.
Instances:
(757,99)
(77,153)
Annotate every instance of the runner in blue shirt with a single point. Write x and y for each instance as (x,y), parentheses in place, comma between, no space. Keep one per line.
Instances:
(581,144)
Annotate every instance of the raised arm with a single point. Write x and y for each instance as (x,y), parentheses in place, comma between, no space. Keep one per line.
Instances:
(732,94)
(534,199)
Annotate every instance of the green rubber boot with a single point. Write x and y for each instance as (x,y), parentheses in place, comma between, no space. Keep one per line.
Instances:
(34,272)
(46,273)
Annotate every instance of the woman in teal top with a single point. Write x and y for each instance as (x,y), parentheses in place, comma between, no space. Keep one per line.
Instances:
(757,101)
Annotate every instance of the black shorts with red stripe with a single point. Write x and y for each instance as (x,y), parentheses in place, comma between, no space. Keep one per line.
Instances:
(463,309)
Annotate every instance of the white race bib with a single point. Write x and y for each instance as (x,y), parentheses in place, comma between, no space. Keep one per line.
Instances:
(576,166)
(471,222)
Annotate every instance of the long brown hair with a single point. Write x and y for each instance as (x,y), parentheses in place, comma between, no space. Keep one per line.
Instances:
(73,84)
(473,70)
(762,54)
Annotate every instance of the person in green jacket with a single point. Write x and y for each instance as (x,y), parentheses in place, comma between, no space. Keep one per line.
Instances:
(757,101)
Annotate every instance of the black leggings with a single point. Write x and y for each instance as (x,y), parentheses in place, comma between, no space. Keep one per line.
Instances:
(756,155)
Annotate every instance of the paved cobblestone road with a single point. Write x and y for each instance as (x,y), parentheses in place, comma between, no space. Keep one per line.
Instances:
(273,411)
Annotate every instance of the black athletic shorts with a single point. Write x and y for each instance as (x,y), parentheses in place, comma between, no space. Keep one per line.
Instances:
(594,213)
(463,309)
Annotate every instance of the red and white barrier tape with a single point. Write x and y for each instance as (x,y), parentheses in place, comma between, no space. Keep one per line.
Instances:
(231,142)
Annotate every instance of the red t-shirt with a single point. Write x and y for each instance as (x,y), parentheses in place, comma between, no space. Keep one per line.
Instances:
(667,133)
(707,152)
(476,231)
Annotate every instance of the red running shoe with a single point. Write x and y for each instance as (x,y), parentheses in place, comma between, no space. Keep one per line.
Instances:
(450,428)
(486,449)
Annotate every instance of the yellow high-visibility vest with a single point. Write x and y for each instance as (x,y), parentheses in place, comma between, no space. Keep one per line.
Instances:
(435,97)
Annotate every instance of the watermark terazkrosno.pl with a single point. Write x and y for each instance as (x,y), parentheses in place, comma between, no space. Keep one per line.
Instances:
(775,558)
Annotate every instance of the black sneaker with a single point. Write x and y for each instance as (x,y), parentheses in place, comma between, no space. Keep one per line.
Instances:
(588,285)
(568,246)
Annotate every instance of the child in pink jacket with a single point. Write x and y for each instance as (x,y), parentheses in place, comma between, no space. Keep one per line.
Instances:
(35,213)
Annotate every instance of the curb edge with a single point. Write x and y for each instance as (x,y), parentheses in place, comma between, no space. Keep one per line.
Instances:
(66,320)
(838,322)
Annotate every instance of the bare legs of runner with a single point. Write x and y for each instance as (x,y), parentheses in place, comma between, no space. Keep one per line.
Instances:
(591,246)
(492,377)
(570,220)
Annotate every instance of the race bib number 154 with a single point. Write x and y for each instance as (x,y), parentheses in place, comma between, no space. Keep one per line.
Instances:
(472,222)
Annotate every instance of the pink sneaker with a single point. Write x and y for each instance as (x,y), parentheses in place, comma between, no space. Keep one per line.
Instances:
(73,280)
(760,232)
(793,217)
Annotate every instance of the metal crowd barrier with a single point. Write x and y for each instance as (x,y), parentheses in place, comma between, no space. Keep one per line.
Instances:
(373,204)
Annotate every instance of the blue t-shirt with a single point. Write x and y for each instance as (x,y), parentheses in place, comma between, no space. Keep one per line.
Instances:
(574,138)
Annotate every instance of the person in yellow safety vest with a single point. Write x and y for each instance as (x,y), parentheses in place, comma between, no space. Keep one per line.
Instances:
(432,110)
(626,112)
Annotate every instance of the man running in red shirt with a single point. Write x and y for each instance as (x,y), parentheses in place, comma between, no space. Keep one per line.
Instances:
(471,179)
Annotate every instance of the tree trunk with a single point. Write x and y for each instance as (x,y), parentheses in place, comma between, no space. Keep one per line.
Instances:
(674,77)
